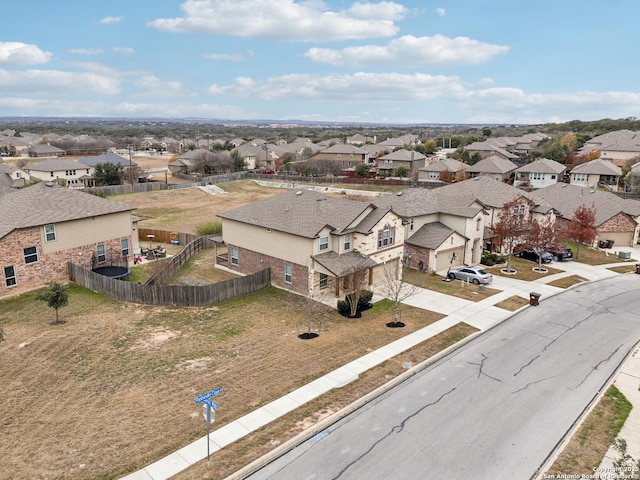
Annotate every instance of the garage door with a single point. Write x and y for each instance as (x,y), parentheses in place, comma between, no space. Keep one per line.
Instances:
(442,262)
(620,239)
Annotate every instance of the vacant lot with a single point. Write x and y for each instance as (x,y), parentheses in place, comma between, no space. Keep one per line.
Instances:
(121,378)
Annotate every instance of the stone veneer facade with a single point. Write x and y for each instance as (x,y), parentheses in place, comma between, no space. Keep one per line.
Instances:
(49,267)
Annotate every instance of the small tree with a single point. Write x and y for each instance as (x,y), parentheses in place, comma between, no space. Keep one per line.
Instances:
(541,234)
(582,226)
(402,171)
(56,297)
(108,174)
(395,288)
(447,176)
(512,224)
(355,281)
(362,170)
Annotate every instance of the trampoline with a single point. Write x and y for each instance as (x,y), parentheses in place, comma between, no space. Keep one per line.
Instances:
(113,271)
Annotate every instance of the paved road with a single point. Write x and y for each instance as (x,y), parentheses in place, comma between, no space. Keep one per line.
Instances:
(495,408)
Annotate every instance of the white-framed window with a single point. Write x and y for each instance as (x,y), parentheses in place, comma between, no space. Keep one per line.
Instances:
(580,177)
(519,210)
(339,156)
(51,174)
(537,176)
(124,247)
(324,280)
(478,222)
(102,253)
(411,224)
(30,255)
(553,177)
(386,236)
(324,243)
(234,255)
(287,273)
(434,174)
(50,232)
(347,242)
(10,276)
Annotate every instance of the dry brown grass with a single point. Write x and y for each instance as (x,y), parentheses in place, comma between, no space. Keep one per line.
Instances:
(567,282)
(524,270)
(512,303)
(432,281)
(122,378)
(624,268)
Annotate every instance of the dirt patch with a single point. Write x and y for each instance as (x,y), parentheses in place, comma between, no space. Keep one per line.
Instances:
(155,338)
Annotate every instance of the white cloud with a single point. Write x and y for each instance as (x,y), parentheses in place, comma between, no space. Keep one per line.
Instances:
(232,57)
(412,51)
(85,51)
(285,19)
(57,82)
(110,20)
(441,11)
(124,50)
(19,54)
(155,87)
(358,87)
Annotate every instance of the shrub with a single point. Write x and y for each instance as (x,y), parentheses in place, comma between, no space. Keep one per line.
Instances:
(209,228)
(343,307)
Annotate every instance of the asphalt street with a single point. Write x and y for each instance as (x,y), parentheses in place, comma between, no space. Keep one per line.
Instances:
(495,408)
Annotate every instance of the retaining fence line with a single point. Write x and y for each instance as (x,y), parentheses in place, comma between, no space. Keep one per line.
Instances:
(179,295)
(170,267)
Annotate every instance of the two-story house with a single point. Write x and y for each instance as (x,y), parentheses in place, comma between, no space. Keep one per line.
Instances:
(313,243)
(494,167)
(410,159)
(442,170)
(346,156)
(44,226)
(53,169)
(596,173)
(539,174)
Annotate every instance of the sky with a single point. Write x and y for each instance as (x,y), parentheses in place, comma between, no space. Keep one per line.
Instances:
(393,62)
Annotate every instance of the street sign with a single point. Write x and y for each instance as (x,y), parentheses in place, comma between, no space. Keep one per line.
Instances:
(205,396)
(213,405)
(209,413)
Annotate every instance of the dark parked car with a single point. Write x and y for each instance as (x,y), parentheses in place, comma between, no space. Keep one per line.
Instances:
(561,254)
(475,275)
(534,254)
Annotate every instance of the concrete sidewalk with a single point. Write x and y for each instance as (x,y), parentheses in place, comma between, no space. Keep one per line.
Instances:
(482,315)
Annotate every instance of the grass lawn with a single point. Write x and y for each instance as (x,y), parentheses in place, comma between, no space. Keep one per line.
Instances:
(592,440)
(624,268)
(432,281)
(119,377)
(592,256)
(512,303)
(524,270)
(567,282)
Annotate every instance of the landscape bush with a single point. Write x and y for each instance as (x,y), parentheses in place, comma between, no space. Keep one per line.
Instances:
(209,228)
(490,259)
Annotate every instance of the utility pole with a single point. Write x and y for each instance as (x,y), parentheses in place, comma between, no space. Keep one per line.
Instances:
(130,165)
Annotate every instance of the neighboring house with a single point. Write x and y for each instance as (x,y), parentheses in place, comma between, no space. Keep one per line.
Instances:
(44,226)
(432,171)
(359,139)
(108,157)
(313,243)
(494,167)
(389,163)
(620,147)
(186,163)
(441,229)
(45,150)
(596,173)
(401,141)
(13,176)
(346,156)
(539,174)
(488,149)
(52,169)
(617,219)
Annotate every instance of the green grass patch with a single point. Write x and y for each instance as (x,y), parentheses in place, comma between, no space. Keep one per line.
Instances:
(457,288)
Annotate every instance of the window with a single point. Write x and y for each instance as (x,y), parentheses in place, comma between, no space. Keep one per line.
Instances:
(234,255)
(287,272)
(124,247)
(324,243)
(10,276)
(30,255)
(434,174)
(102,256)
(519,210)
(553,177)
(347,241)
(478,222)
(51,174)
(324,281)
(385,236)
(411,224)
(537,176)
(339,156)
(580,177)
(50,232)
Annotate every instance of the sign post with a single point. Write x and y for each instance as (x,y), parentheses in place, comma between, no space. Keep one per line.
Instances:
(208,410)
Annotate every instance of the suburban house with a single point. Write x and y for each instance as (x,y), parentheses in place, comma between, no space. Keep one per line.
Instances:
(617,219)
(539,174)
(494,167)
(620,147)
(596,173)
(313,243)
(45,150)
(433,171)
(441,230)
(13,176)
(491,147)
(44,226)
(53,169)
(108,157)
(410,159)
(346,156)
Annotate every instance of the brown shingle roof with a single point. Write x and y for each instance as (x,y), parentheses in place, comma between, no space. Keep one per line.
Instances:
(430,235)
(340,265)
(45,203)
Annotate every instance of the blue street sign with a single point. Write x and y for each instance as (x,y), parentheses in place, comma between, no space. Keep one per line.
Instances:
(205,396)
(213,405)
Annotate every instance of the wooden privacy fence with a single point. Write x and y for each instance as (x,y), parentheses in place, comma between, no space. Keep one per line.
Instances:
(164,236)
(170,267)
(179,295)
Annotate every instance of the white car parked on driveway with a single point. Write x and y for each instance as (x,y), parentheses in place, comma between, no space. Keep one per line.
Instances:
(475,275)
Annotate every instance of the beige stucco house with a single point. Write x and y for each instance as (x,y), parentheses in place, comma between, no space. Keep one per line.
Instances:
(53,169)
(44,226)
(539,174)
(410,159)
(313,243)
(596,173)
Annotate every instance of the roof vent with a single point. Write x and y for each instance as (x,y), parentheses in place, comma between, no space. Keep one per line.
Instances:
(399,194)
(49,184)
(299,192)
